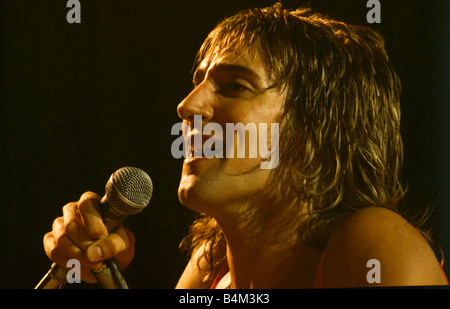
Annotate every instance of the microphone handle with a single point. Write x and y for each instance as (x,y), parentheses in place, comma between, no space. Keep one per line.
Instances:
(55,278)
(108,276)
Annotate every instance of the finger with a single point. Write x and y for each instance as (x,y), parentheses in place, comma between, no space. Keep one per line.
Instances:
(70,213)
(51,245)
(51,249)
(62,248)
(61,235)
(59,244)
(60,251)
(124,258)
(88,207)
(111,246)
(58,227)
(73,226)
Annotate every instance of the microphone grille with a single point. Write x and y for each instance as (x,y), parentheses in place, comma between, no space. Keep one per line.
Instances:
(129,190)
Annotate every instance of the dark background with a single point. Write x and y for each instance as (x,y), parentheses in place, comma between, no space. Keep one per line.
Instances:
(79,101)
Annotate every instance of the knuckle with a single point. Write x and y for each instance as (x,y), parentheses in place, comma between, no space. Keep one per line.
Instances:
(49,242)
(113,245)
(54,255)
(89,196)
(71,227)
(130,237)
(96,232)
(51,247)
(61,241)
(69,207)
(88,203)
(57,223)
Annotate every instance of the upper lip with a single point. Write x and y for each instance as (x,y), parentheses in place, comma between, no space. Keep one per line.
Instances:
(192,136)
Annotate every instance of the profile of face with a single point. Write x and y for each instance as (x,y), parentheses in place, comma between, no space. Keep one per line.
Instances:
(229,88)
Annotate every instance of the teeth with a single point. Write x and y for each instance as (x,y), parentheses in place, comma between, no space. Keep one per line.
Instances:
(201,149)
(192,154)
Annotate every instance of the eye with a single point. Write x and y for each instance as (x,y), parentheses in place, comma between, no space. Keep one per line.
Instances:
(233,89)
(198,77)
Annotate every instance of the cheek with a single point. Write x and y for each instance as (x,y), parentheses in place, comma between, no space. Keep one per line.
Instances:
(232,114)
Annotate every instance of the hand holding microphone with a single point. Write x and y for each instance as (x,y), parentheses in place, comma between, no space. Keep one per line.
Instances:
(91,230)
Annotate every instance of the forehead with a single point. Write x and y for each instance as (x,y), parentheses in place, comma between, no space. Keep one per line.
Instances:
(249,61)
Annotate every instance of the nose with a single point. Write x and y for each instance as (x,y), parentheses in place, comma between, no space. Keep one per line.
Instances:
(198,102)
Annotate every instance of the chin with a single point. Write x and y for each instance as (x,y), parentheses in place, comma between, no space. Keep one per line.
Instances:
(190,197)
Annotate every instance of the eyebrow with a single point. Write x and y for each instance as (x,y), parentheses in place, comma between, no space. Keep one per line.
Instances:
(199,73)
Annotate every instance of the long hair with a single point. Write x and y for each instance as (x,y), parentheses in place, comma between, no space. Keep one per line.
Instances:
(340,145)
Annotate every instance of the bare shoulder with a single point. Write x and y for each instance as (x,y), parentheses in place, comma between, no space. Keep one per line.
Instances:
(377,247)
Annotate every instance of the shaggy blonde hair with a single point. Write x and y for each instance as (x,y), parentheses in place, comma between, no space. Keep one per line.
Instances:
(340,145)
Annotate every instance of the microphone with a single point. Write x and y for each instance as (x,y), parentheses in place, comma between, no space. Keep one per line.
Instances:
(127,192)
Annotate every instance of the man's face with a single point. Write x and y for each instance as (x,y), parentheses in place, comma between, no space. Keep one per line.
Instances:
(228,89)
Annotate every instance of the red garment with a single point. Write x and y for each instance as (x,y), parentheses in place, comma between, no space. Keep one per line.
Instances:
(222,272)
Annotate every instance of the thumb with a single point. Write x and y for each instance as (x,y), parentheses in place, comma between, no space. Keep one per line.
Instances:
(109,246)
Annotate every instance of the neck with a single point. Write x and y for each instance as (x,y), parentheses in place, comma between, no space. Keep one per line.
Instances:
(265,251)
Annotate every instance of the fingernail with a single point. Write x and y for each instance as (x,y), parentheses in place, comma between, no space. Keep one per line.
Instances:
(95,253)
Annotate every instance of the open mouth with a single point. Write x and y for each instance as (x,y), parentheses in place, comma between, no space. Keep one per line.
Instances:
(204,146)
(242,141)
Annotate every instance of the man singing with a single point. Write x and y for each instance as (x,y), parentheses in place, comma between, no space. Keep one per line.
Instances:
(329,210)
